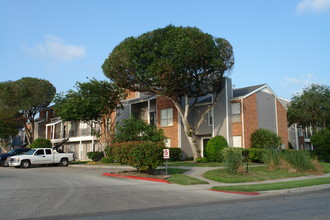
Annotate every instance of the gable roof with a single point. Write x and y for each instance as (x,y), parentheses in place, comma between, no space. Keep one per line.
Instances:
(242,93)
(246,90)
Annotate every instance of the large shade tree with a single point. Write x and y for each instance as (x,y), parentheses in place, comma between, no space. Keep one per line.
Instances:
(93,102)
(180,63)
(311,107)
(23,99)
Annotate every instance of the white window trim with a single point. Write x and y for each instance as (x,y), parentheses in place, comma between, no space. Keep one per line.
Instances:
(161,119)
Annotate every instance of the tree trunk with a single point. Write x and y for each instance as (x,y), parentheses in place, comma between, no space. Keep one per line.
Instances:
(189,131)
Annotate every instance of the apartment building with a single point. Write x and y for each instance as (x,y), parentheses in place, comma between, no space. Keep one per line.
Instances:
(237,113)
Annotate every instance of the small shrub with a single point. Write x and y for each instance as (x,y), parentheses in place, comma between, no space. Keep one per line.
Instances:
(214,146)
(272,157)
(321,143)
(108,153)
(145,156)
(299,160)
(263,138)
(175,154)
(95,155)
(201,160)
(41,143)
(233,160)
(255,155)
(107,160)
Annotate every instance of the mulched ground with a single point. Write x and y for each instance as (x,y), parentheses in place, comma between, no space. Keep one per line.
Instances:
(159,174)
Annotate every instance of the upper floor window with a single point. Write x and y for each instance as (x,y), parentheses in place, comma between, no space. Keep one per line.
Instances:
(236,111)
(166,117)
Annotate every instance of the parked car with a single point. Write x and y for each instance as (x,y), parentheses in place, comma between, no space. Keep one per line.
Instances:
(18,151)
(41,156)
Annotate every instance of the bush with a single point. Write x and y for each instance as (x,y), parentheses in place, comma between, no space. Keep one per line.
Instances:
(201,160)
(256,155)
(299,160)
(133,129)
(41,143)
(233,160)
(95,155)
(106,160)
(175,154)
(145,156)
(321,144)
(272,157)
(214,147)
(109,154)
(263,138)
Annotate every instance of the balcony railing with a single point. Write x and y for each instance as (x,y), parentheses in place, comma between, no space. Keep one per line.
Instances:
(75,133)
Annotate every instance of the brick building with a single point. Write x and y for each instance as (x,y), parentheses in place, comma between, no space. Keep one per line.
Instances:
(236,115)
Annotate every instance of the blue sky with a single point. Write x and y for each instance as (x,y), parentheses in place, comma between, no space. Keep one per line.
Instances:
(285,44)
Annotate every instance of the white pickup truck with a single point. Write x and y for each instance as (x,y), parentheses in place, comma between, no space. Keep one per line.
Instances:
(39,156)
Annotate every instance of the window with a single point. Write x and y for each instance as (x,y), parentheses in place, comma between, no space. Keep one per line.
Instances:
(300,132)
(48,151)
(236,111)
(40,152)
(166,117)
(210,117)
(237,141)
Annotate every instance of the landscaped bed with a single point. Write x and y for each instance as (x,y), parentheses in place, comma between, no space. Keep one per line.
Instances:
(255,174)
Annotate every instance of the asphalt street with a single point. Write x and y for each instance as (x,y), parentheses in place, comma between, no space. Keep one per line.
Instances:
(83,193)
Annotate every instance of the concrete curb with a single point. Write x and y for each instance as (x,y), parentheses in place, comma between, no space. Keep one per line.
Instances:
(136,177)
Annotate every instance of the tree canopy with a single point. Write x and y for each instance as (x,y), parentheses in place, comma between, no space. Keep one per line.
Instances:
(180,63)
(311,107)
(93,101)
(171,61)
(23,99)
(134,129)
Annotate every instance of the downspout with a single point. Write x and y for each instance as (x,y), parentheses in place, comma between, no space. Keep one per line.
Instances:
(243,130)
(276,115)
(227,115)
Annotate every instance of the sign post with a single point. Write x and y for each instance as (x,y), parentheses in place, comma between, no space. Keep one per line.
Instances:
(166,155)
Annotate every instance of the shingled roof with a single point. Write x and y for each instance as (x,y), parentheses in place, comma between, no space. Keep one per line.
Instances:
(246,90)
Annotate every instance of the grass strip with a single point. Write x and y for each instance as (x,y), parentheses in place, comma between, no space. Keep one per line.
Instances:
(178,178)
(274,186)
(185,180)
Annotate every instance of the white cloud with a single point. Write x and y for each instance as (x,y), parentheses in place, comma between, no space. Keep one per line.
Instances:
(295,85)
(313,6)
(301,80)
(56,48)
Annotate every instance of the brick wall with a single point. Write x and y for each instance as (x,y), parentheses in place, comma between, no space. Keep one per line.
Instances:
(282,123)
(250,118)
(131,95)
(170,132)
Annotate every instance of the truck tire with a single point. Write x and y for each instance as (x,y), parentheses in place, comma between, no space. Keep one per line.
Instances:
(3,163)
(25,164)
(64,162)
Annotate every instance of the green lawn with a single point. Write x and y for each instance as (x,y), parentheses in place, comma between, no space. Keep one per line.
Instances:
(178,178)
(260,173)
(194,164)
(274,186)
(326,167)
